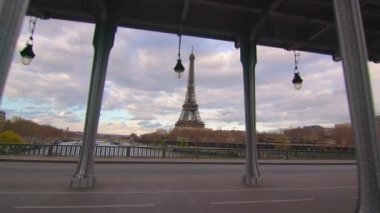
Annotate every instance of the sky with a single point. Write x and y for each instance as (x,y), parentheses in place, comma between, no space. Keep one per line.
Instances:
(142,92)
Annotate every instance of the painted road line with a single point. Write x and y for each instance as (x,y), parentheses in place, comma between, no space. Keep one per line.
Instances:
(262,201)
(84,207)
(183,191)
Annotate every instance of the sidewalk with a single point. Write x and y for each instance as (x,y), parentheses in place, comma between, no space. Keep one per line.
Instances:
(116,160)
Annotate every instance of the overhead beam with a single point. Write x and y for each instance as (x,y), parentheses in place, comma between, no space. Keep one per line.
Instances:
(322,3)
(275,4)
(82,14)
(257,11)
(185,10)
(210,29)
(228,6)
(319,32)
(45,12)
(272,7)
(291,44)
(327,27)
(172,27)
(372,2)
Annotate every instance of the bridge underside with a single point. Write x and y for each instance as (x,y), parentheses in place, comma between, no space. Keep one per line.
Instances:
(347,30)
(306,25)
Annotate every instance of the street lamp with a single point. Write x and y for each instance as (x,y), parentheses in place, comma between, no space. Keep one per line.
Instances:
(297,80)
(27,53)
(179,68)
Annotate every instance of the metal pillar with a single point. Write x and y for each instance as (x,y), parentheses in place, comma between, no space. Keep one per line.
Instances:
(12,14)
(103,41)
(248,59)
(354,58)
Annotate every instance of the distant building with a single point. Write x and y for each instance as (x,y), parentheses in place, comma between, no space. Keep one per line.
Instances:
(2,116)
(348,125)
(343,125)
(2,119)
(313,127)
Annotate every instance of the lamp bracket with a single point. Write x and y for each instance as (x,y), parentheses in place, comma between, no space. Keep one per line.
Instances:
(32,26)
(297,55)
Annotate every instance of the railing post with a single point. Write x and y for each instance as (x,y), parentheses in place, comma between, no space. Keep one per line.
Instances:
(50,150)
(128,151)
(164,152)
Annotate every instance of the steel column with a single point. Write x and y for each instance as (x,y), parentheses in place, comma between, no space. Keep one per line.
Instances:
(12,14)
(354,58)
(248,59)
(103,41)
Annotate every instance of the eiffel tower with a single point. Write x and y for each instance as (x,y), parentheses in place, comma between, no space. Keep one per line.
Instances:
(190,116)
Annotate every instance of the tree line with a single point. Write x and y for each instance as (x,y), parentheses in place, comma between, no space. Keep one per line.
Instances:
(29,131)
(341,135)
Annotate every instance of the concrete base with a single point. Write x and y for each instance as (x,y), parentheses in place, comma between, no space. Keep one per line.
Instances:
(83,182)
(248,180)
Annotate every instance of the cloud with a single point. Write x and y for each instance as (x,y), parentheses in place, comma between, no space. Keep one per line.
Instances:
(142,92)
(148,124)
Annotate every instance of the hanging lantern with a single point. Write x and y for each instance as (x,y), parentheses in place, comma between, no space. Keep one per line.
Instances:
(297,80)
(179,68)
(27,53)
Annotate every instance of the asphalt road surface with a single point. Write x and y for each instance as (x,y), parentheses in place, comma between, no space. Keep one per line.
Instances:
(176,188)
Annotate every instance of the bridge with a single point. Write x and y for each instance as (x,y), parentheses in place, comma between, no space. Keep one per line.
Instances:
(172,188)
(348,30)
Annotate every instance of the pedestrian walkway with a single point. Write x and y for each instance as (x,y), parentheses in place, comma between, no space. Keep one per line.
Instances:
(124,160)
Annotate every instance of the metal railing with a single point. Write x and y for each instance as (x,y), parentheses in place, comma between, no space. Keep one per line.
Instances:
(170,152)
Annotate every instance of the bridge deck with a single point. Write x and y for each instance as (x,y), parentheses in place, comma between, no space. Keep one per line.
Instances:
(35,187)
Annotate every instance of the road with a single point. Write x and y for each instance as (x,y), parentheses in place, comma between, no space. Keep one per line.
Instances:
(173,188)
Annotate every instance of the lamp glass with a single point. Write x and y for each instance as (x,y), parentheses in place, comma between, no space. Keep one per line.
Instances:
(27,54)
(297,86)
(26,60)
(179,68)
(179,74)
(297,81)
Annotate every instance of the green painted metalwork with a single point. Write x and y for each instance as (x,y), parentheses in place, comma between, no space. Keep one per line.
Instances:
(172,152)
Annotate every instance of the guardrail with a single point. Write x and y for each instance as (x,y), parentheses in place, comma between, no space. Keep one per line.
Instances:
(169,152)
